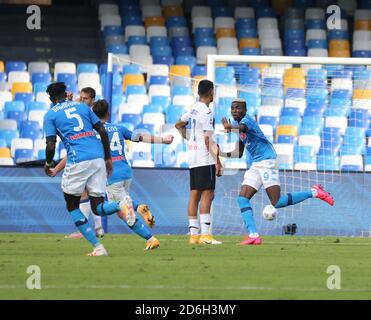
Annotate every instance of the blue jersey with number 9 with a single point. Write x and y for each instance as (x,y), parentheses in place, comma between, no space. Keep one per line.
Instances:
(73,122)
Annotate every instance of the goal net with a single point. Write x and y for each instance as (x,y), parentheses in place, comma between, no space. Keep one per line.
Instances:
(316,112)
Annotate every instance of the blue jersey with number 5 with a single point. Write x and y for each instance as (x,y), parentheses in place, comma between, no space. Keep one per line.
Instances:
(256,142)
(73,122)
(121,169)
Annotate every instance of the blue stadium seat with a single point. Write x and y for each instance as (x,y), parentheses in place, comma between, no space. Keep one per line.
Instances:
(290,121)
(25,97)
(286,139)
(134,119)
(14,106)
(332,69)
(186,60)
(317,74)
(162,101)
(118,49)
(222,11)
(359,118)
(176,21)
(181,42)
(335,111)
(317,44)
(132,89)
(315,24)
(159,41)
(168,60)
(32,134)
(245,23)
(330,142)
(162,51)
(8,136)
(183,51)
(2,115)
(36,105)
(250,51)
(146,128)
(173,113)
(247,33)
(158,80)
(225,75)
(342,74)
(273,121)
(132,20)
(249,76)
(314,109)
(113,31)
(304,154)
(41,77)
(199,70)
(137,40)
(2,143)
(19,116)
(87,67)
(67,78)
(265,12)
(292,112)
(131,69)
(296,52)
(362,54)
(3,77)
(15,66)
(312,125)
(328,162)
(338,35)
(295,93)
(178,90)
(23,155)
(103,69)
(152,108)
(204,33)
(205,42)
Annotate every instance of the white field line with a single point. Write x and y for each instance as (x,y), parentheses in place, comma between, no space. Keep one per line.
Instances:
(207,288)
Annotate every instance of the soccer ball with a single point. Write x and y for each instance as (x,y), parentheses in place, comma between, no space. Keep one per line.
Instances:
(269,212)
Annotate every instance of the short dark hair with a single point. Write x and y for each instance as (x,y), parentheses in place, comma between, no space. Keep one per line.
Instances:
(56,91)
(100,108)
(204,87)
(90,91)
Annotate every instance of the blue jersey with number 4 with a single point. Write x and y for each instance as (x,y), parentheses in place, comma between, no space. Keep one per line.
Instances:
(256,142)
(121,168)
(73,122)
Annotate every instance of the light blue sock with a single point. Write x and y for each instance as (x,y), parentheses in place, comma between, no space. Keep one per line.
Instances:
(107,208)
(83,225)
(293,198)
(247,215)
(135,205)
(140,228)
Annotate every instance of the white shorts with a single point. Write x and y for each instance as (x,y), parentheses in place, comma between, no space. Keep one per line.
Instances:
(262,173)
(90,175)
(117,191)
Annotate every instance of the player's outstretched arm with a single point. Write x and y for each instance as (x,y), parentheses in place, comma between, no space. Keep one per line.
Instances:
(147,138)
(59,167)
(99,127)
(229,127)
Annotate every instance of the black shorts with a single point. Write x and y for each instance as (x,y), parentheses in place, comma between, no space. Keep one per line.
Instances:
(203,178)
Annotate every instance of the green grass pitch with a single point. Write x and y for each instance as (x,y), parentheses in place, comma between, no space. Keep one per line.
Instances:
(288,267)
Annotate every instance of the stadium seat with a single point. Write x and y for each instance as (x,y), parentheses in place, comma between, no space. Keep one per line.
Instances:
(64,67)
(20,143)
(21,87)
(15,66)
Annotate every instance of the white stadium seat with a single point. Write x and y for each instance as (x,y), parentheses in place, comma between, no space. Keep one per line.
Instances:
(20,143)
(18,76)
(64,67)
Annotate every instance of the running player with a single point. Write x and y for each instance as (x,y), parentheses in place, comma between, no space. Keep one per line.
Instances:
(87,95)
(203,163)
(262,171)
(88,159)
(116,185)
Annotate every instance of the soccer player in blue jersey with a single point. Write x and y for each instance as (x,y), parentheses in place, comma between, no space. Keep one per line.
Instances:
(116,185)
(88,159)
(263,170)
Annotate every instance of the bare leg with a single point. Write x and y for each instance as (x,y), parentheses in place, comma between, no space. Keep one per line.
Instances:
(274,194)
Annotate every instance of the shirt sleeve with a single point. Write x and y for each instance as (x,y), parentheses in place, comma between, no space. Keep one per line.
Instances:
(185,117)
(128,135)
(208,121)
(246,123)
(49,126)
